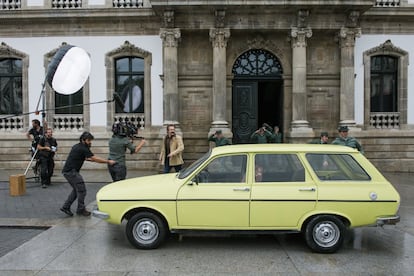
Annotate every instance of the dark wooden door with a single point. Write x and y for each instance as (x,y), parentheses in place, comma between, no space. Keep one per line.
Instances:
(244,110)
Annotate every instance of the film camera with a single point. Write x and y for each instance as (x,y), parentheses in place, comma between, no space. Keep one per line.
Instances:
(126,129)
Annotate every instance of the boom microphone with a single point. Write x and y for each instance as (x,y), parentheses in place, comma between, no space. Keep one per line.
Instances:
(118,101)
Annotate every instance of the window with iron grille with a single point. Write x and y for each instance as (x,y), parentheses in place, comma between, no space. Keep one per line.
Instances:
(129,84)
(384,73)
(11,100)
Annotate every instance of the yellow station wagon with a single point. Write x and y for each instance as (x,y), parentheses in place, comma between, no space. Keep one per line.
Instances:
(318,190)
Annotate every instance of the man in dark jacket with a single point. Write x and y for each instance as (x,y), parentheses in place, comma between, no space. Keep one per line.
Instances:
(47,148)
(77,156)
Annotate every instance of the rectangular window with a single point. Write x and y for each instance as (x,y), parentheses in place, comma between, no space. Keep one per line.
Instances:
(336,167)
(11,100)
(384,74)
(129,84)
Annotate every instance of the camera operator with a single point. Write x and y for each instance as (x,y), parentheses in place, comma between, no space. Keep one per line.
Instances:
(47,148)
(122,139)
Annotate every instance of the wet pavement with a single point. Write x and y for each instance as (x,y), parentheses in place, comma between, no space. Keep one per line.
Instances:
(54,244)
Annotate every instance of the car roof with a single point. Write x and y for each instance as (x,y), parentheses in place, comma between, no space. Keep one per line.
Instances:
(281,148)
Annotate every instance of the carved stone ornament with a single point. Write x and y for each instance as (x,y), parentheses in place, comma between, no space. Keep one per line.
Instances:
(347,36)
(220,16)
(129,49)
(169,19)
(386,47)
(8,52)
(170,37)
(352,20)
(219,37)
(302,20)
(299,36)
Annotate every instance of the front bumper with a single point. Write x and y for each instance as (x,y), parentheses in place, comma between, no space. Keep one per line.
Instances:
(388,220)
(99,214)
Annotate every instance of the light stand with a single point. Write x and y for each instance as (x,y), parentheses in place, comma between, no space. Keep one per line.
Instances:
(41,98)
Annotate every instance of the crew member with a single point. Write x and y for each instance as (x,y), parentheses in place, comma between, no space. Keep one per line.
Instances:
(121,141)
(47,148)
(77,156)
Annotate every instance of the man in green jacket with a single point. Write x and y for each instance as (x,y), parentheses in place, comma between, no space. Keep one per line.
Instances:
(120,142)
(345,140)
(219,139)
(261,136)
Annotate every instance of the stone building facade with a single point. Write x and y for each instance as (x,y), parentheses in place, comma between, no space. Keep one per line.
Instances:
(306,66)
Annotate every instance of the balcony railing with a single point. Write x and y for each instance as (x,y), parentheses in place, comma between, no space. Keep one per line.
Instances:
(127,3)
(385,120)
(66,4)
(387,3)
(10,4)
(68,122)
(138,119)
(9,124)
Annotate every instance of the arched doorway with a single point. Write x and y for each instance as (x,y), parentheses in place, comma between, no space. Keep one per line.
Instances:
(257,93)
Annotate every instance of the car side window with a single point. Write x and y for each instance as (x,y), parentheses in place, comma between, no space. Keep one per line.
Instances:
(278,168)
(230,169)
(336,167)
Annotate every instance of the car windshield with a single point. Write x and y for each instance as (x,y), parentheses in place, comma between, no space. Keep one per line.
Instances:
(187,171)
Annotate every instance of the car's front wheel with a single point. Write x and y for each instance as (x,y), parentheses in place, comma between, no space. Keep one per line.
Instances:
(325,233)
(146,230)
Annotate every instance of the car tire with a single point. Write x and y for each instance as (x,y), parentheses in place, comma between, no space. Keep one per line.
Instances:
(325,234)
(146,230)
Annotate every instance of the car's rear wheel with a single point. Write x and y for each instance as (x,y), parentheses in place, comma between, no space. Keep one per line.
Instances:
(146,230)
(325,234)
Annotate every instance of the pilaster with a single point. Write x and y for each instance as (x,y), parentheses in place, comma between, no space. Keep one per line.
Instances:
(300,125)
(170,40)
(219,37)
(347,97)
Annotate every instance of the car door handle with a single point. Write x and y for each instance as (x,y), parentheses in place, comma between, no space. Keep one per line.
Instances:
(241,189)
(307,189)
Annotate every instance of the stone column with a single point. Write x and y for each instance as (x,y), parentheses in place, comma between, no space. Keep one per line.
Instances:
(347,97)
(218,38)
(170,39)
(299,125)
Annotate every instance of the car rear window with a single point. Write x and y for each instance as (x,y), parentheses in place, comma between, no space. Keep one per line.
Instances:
(337,167)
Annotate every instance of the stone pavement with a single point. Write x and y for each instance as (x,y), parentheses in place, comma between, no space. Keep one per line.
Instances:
(23,217)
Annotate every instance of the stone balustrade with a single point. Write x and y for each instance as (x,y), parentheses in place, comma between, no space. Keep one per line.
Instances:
(67,122)
(138,119)
(9,124)
(385,120)
(11,5)
(72,4)
(387,3)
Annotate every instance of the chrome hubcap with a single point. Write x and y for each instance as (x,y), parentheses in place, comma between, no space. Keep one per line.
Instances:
(145,231)
(326,234)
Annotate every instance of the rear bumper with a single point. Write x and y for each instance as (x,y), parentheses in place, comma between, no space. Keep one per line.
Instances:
(388,220)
